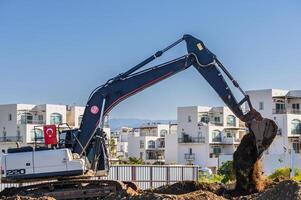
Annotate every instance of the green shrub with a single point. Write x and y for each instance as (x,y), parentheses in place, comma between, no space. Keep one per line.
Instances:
(227,172)
(285,172)
(136,161)
(281,172)
(215,178)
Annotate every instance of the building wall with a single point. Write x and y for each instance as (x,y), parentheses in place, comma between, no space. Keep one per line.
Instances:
(17,127)
(200,135)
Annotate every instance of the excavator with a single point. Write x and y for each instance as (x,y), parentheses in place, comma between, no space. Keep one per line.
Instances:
(83,153)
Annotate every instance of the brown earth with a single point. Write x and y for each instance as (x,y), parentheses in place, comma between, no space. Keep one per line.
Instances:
(279,189)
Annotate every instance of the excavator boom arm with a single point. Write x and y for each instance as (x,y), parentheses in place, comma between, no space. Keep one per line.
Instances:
(105,97)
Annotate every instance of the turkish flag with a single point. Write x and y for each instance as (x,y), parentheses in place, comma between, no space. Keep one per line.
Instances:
(50,134)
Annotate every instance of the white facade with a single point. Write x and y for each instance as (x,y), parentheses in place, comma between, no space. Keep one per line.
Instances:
(122,136)
(204,133)
(23,123)
(282,106)
(149,144)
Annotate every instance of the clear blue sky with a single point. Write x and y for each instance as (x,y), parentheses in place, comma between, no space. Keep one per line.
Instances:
(58,51)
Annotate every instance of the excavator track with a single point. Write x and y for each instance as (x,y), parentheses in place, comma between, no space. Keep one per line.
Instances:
(71,189)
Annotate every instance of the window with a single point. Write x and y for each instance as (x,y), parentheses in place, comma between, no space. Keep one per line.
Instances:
(141,144)
(296,126)
(189,118)
(163,132)
(151,144)
(55,118)
(261,105)
(80,118)
(37,135)
(231,120)
(4,134)
(40,118)
(141,155)
(204,118)
(216,150)
(280,107)
(216,136)
(297,147)
(229,134)
(190,151)
(217,120)
(26,118)
(10,117)
(296,106)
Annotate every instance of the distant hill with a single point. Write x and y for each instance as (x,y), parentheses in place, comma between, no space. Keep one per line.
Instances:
(117,123)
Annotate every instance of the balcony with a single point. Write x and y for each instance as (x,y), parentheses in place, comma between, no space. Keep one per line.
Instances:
(11,139)
(154,155)
(215,123)
(188,139)
(230,140)
(287,111)
(296,131)
(31,122)
(189,157)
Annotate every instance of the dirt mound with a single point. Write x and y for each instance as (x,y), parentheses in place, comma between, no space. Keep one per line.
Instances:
(28,198)
(184,187)
(190,190)
(284,190)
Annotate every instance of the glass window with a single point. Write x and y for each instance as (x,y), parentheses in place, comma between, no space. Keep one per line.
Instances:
(296,106)
(55,118)
(40,118)
(163,132)
(151,144)
(217,150)
(141,144)
(37,135)
(297,147)
(280,107)
(189,118)
(261,105)
(216,136)
(296,126)
(231,120)
(10,117)
(26,118)
(217,120)
(204,118)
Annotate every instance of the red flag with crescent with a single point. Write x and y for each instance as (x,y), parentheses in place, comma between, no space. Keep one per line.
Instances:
(50,134)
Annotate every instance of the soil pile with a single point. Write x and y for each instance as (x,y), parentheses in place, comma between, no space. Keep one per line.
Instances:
(28,198)
(189,190)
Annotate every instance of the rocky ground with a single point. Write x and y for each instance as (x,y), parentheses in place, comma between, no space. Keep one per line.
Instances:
(278,189)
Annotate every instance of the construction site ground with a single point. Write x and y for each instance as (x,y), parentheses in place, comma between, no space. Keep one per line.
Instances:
(281,189)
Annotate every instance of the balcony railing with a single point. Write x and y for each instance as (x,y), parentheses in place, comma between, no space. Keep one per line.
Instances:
(31,122)
(189,139)
(11,139)
(287,111)
(296,131)
(189,157)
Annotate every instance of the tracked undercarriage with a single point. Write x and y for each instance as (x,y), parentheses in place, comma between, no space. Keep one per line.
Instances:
(71,189)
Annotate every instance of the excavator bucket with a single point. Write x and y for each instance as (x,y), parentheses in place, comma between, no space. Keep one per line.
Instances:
(261,135)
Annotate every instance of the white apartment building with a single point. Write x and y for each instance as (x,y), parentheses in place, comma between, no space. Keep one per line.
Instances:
(23,123)
(204,133)
(121,135)
(282,106)
(149,143)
